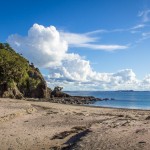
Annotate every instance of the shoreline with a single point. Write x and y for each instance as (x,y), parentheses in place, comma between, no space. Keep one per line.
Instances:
(44,125)
(138,109)
(88,105)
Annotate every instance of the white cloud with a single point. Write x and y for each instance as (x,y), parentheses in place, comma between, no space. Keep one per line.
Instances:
(124,79)
(145,15)
(96,32)
(146,34)
(103,47)
(146,80)
(138,26)
(43,45)
(47,47)
(87,40)
(76,39)
(73,68)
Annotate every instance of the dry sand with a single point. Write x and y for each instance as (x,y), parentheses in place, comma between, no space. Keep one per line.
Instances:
(26,125)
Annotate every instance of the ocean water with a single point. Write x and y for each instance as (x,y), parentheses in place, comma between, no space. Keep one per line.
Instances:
(122,99)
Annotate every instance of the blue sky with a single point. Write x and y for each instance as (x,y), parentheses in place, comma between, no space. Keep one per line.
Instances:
(110,37)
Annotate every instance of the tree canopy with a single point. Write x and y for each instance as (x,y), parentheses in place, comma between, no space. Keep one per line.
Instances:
(15,68)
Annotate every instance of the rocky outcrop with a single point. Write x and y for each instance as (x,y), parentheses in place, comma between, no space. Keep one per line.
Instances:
(33,89)
(77,100)
(19,78)
(10,92)
(58,93)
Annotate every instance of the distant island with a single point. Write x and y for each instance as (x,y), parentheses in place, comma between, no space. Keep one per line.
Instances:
(125,91)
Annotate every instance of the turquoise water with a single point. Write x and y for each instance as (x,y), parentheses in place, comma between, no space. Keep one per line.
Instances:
(122,99)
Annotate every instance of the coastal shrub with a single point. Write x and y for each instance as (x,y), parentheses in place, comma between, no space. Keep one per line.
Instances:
(16,71)
(12,66)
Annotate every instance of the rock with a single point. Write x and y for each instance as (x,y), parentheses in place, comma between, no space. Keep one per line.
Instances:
(142,142)
(73,99)
(41,91)
(10,92)
(147,118)
(58,93)
(105,99)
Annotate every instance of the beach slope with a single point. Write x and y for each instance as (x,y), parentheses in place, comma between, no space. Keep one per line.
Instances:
(28,125)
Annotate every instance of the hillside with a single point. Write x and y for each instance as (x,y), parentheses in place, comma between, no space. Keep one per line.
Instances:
(19,78)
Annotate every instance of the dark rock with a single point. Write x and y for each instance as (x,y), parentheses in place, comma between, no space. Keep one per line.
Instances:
(58,93)
(142,142)
(147,118)
(74,99)
(105,99)
(10,92)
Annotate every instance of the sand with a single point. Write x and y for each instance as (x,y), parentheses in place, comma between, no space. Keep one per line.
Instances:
(27,125)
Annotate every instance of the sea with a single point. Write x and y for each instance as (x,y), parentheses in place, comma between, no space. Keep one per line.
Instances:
(118,99)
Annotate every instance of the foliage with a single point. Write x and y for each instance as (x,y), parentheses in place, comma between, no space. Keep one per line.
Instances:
(13,67)
(16,69)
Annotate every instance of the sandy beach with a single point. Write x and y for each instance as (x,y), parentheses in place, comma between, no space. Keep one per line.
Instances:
(27,125)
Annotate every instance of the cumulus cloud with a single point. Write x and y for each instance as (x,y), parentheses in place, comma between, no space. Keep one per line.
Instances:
(146,80)
(73,68)
(123,79)
(47,47)
(77,72)
(42,45)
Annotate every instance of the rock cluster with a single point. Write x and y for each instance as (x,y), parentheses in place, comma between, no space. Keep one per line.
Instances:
(10,92)
(79,100)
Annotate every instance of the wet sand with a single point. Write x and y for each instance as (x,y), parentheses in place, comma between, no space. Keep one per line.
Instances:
(27,125)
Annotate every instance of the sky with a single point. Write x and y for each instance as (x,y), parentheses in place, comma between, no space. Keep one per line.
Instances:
(82,44)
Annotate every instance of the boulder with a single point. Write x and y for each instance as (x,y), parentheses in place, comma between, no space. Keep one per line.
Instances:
(58,93)
(10,92)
